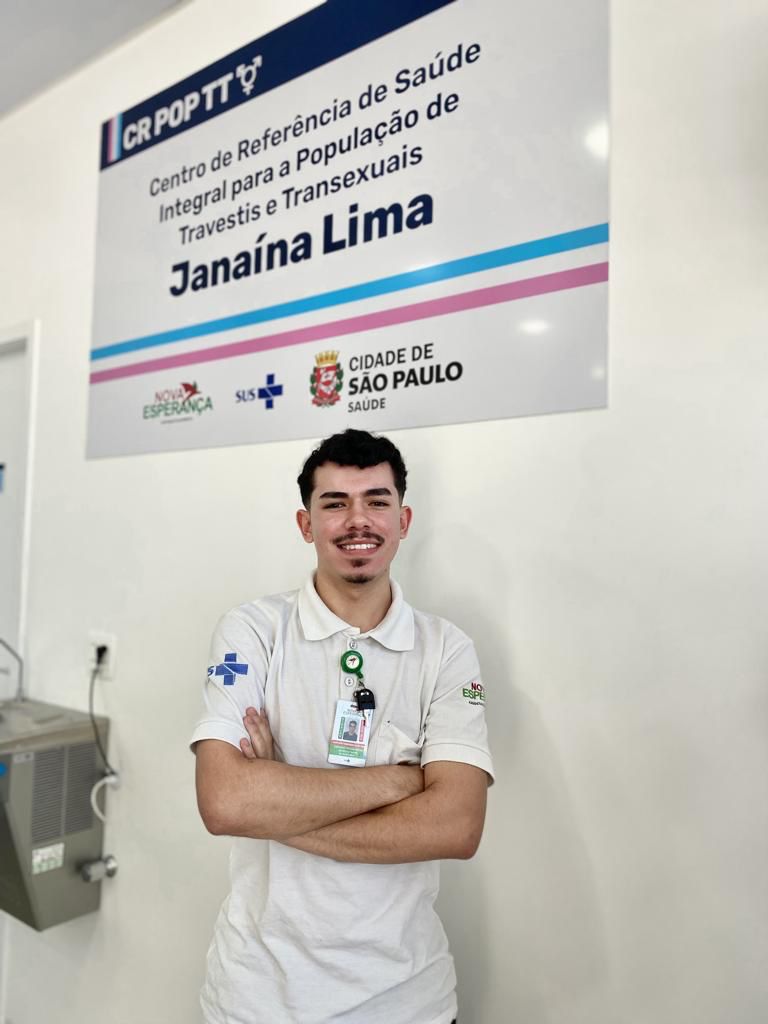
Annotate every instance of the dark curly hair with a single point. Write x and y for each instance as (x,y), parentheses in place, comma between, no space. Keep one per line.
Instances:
(352,448)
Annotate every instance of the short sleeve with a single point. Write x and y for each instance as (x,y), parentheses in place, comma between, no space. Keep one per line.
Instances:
(455,727)
(237,671)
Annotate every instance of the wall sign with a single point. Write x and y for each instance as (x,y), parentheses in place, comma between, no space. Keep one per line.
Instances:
(377,215)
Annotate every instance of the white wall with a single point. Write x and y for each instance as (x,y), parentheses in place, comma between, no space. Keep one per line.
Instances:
(611,566)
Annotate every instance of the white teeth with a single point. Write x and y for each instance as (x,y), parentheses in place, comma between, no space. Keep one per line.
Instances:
(358,547)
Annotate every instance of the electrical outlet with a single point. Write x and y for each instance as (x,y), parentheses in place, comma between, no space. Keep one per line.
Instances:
(98,639)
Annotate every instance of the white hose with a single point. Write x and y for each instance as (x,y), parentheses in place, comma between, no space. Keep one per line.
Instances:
(107,780)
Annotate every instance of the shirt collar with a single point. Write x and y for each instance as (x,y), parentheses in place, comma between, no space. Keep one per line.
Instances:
(395,631)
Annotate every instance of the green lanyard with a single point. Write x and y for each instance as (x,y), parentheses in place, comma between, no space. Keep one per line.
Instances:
(352,664)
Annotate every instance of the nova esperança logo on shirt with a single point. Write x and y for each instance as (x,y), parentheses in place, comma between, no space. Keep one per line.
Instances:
(174,405)
(326,380)
(474,693)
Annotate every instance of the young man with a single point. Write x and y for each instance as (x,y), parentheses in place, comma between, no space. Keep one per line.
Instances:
(330,919)
(351,731)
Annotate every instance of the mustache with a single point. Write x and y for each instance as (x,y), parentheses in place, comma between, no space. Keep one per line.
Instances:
(358,538)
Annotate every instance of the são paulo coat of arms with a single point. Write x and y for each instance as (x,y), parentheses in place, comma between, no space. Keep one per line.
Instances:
(327,379)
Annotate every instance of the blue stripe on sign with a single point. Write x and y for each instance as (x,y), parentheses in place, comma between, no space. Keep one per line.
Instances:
(333,29)
(383,286)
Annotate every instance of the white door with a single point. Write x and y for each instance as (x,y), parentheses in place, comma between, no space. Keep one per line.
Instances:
(14,428)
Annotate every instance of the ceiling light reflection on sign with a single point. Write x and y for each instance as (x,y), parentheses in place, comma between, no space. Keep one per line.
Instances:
(597,140)
(534,326)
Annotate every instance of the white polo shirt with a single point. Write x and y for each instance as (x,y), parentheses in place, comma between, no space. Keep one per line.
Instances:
(303,939)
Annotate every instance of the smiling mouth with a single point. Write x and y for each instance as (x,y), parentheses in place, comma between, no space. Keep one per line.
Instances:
(357,546)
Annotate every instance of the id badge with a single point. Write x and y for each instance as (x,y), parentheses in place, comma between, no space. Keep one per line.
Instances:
(351,732)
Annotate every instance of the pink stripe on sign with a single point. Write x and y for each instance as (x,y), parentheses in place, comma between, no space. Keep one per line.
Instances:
(560,281)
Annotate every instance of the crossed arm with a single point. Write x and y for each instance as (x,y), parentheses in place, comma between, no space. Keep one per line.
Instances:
(388,814)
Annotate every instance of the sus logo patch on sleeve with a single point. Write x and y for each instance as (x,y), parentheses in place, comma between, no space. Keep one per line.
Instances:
(230,668)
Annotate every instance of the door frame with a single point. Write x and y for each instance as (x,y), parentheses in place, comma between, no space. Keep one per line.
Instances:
(25,337)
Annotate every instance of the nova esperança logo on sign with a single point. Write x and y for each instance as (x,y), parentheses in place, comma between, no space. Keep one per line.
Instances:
(327,379)
(174,405)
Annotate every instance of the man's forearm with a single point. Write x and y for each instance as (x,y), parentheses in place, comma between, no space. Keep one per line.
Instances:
(263,799)
(422,827)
